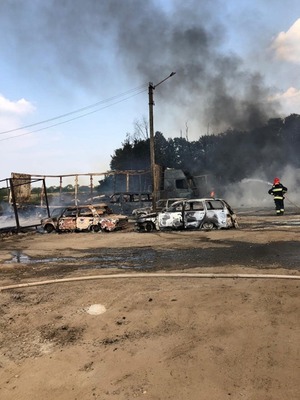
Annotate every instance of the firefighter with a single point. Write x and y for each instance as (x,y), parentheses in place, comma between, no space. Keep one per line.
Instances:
(278,191)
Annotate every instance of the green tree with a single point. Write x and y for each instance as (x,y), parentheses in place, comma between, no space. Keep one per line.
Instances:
(132,156)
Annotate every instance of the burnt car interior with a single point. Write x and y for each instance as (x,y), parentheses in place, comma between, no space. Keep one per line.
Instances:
(214,205)
(70,212)
(85,212)
(194,206)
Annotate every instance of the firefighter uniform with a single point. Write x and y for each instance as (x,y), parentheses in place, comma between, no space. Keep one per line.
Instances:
(278,191)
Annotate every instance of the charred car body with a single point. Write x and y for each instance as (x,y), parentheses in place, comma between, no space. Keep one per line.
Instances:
(206,214)
(84,218)
(126,202)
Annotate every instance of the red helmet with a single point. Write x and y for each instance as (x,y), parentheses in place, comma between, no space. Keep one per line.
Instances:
(276,181)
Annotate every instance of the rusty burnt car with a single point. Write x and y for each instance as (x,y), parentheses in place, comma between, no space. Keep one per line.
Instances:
(96,217)
(205,214)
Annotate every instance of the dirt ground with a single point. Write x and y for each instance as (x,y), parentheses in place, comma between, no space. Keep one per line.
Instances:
(144,318)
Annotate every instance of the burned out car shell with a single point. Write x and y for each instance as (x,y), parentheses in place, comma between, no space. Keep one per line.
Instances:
(126,202)
(206,214)
(83,218)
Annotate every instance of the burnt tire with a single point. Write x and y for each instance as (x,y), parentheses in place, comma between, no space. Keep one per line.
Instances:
(148,226)
(48,228)
(95,228)
(208,226)
(235,224)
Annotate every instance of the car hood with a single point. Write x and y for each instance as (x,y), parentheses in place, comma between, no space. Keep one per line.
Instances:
(146,217)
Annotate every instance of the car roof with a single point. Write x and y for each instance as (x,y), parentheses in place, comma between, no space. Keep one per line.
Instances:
(173,198)
(81,206)
(205,199)
(192,200)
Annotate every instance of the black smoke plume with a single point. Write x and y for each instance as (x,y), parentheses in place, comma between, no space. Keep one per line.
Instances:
(81,41)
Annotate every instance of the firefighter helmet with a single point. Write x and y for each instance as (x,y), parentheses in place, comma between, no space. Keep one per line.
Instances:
(276,181)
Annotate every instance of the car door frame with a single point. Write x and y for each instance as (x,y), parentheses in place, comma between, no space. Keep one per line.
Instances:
(192,215)
(68,222)
(172,218)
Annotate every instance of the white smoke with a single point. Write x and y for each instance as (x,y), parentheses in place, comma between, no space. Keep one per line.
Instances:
(253,191)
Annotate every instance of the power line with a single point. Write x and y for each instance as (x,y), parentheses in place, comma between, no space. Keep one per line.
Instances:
(72,119)
(137,89)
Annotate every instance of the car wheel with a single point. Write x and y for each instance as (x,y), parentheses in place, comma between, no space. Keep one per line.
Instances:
(49,228)
(208,226)
(95,228)
(148,226)
(235,224)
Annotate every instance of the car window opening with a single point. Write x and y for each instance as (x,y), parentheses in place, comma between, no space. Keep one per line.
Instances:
(214,205)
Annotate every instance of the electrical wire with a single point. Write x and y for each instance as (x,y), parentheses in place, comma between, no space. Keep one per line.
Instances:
(76,111)
(134,92)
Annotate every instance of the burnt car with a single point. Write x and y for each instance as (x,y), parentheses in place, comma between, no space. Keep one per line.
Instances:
(96,217)
(206,214)
(126,202)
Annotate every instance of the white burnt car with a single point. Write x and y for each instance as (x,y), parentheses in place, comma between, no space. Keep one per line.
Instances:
(94,218)
(206,214)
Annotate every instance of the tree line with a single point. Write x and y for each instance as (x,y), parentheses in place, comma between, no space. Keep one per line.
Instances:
(229,156)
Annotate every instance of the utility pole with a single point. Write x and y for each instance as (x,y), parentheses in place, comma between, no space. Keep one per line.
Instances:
(152,147)
(152,143)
